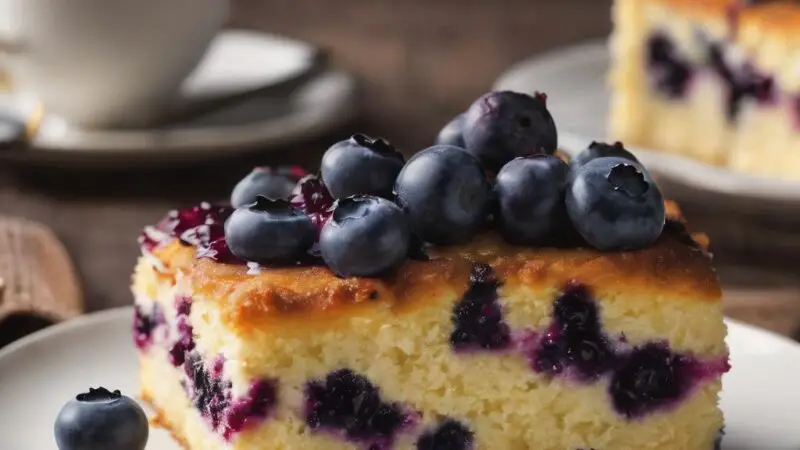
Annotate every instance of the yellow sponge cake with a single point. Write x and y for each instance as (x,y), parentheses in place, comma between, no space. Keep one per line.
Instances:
(452,344)
(715,80)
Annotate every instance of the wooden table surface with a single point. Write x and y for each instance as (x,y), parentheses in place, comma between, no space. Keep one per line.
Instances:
(421,62)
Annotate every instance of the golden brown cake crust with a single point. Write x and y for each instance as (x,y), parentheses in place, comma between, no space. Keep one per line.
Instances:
(671,267)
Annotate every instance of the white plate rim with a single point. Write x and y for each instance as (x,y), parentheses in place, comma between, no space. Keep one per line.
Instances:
(679,168)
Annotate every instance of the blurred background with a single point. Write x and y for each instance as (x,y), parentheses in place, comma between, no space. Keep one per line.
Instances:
(413,65)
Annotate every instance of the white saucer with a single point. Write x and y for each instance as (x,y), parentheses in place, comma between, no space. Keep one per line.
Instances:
(39,373)
(575,81)
(252,91)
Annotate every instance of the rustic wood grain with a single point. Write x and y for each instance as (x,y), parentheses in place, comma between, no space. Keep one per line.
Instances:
(38,283)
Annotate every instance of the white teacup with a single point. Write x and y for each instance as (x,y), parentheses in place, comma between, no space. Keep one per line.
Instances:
(105,63)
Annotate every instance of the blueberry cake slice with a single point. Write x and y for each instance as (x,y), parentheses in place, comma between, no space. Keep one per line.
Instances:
(715,80)
(488,296)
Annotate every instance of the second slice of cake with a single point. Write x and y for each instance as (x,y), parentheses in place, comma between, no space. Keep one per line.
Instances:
(715,80)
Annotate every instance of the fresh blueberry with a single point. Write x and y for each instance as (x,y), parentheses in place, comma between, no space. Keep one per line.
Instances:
(501,126)
(615,205)
(269,231)
(651,377)
(452,133)
(530,199)
(366,236)
(445,193)
(602,150)
(361,165)
(271,183)
(100,420)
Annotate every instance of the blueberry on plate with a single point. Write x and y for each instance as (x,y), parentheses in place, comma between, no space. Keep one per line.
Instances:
(269,231)
(601,150)
(445,193)
(366,236)
(615,205)
(101,420)
(268,182)
(452,133)
(500,126)
(530,199)
(361,165)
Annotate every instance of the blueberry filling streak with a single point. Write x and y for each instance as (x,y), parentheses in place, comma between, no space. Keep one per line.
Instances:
(643,378)
(349,404)
(256,405)
(145,325)
(185,339)
(575,340)
(448,435)
(477,319)
(671,74)
(211,394)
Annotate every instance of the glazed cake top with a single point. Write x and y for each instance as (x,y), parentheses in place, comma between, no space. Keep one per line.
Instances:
(677,266)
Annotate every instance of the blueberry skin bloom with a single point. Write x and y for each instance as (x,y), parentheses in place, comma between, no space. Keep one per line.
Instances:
(445,193)
(452,133)
(366,236)
(500,126)
(361,165)
(101,420)
(269,231)
(530,198)
(615,204)
(601,150)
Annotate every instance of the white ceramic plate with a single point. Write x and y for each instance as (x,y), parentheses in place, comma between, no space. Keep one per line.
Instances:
(252,91)
(761,396)
(578,97)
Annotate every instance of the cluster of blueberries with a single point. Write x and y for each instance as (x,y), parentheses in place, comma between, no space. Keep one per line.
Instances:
(496,164)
